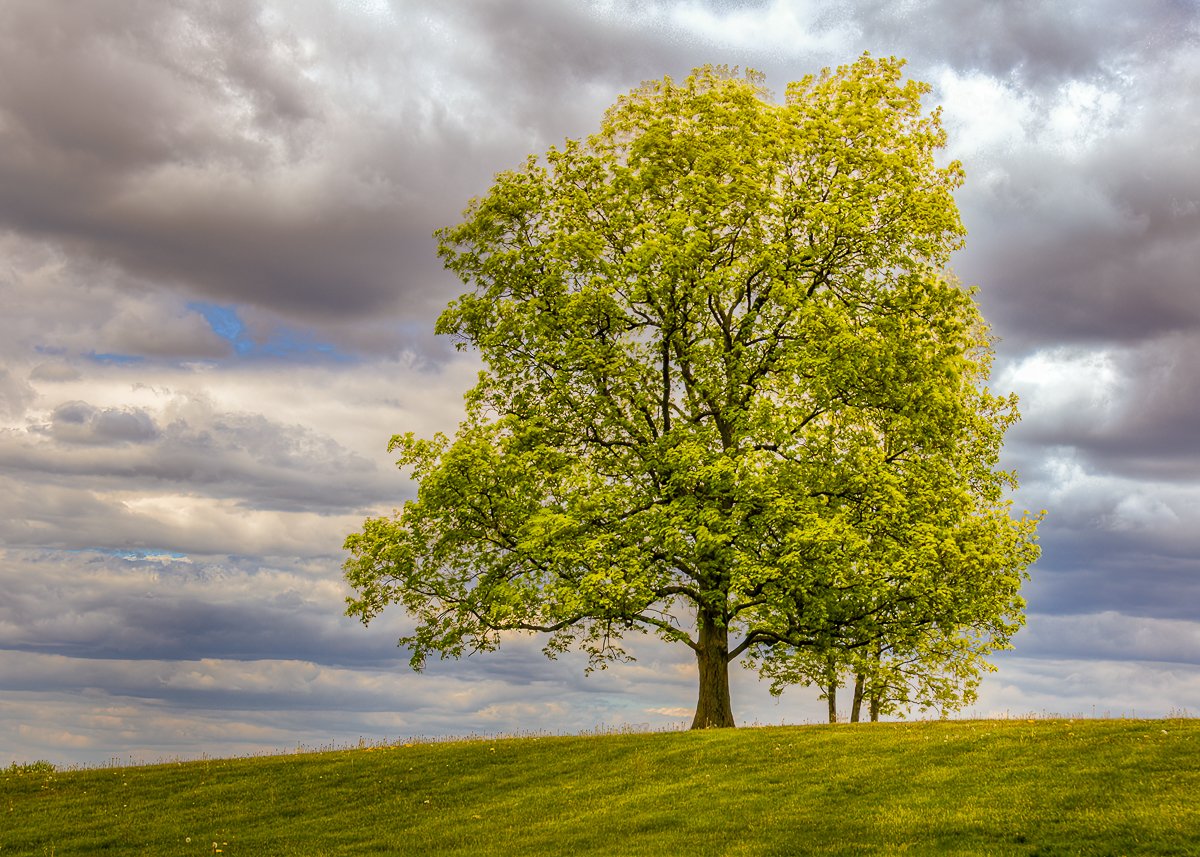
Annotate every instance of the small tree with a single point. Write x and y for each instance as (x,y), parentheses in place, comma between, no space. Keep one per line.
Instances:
(718,350)
(943,674)
(928,568)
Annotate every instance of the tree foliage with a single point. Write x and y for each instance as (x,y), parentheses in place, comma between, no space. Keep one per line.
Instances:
(730,396)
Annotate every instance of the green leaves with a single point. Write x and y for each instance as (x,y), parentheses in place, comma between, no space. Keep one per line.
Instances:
(726,381)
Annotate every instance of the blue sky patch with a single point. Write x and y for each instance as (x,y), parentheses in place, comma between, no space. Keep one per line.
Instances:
(284,342)
(118,359)
(135,554)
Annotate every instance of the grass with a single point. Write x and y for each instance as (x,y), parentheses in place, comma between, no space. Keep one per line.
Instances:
(997,787)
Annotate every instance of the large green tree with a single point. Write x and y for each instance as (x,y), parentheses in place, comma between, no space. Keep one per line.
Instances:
(729,395)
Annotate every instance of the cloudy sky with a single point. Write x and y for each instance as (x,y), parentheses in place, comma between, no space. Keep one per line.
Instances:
(217,293)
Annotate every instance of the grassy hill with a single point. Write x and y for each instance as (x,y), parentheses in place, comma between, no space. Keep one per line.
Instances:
(962,787)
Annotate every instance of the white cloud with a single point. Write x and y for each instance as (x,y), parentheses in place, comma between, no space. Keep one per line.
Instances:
(781,28)
(1066,391)
(1081,116)
(982,113)
(1089,688)
(987,115)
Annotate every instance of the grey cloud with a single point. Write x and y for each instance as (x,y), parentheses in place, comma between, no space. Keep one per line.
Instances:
(1130,412)
(1109,635)
(1086,251)
(185,144)
(1075,576)
(59,305)
(59,705)
(73,517)
(244,457)
(191,144)
(53,371)
(539,56)
(258,213)
(1117,544)
(81,423)
(216,708)
(1096,263)
(738,5)
(1154,436)
(155,641)
(95,606)
(1088,688)
(159,332)
(1096,244)
(296,163)
(1037,43)
(15,394)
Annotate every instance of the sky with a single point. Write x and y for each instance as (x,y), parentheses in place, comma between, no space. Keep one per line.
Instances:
(217,294)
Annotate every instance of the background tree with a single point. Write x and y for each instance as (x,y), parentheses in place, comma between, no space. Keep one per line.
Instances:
(942,673)
(928,557)
(718,348)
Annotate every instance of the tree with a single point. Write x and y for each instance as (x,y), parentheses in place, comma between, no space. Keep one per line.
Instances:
(943,674)
(932,553)
(720,356)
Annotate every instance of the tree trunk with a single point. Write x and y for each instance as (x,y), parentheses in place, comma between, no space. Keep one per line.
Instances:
(856,707)
(831,687)
(713,707)
(877,686)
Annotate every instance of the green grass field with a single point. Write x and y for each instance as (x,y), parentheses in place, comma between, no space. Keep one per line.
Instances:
(992,787)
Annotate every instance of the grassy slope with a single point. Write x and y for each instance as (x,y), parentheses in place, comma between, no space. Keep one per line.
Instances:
(965,787)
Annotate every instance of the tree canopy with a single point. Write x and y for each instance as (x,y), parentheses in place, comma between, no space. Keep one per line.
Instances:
(730,396)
